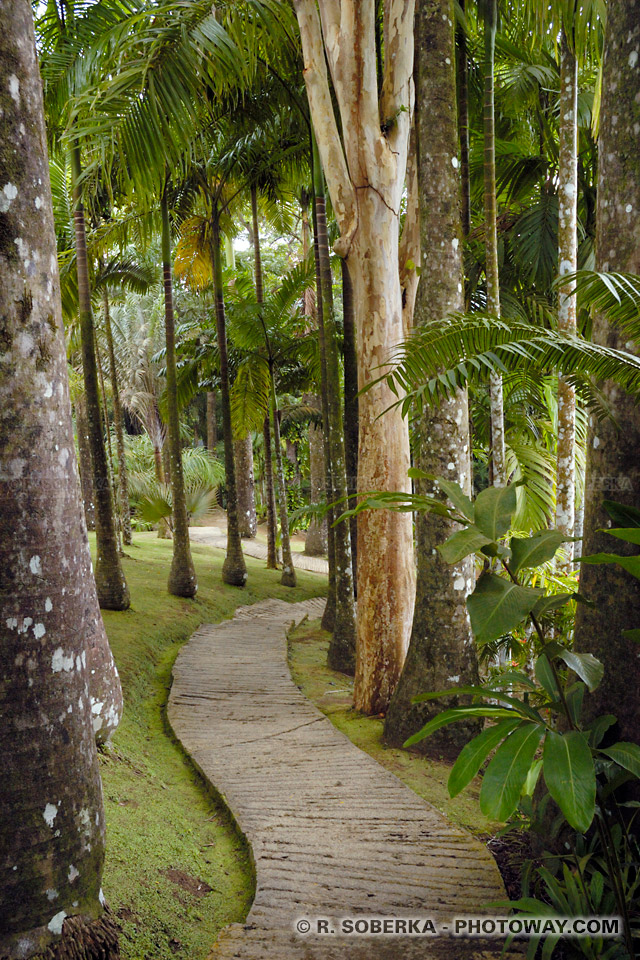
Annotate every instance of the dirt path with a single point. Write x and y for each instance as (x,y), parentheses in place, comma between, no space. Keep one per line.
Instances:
(216,537)
(333,834)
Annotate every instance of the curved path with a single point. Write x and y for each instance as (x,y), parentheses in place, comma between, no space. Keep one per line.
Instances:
(333,834)
(216,537)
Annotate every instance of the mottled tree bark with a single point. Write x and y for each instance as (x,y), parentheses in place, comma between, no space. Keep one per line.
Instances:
(272,546)
(567,263)
(316,539)
(107,432)
(117,420)
(350,405)
(84,462)
(212,426)
(51,634)
(245,484)
(441,652)
(113,592)
(498,466)
(613,460)
(463,124)
(288,578)
(234,568)
(182,576)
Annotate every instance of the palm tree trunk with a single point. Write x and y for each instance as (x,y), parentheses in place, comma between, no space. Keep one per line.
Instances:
(117,419)
(568,263)
(234,569)
(212,426)
(247,522)
(342,646)
(315,544)
(288,578)
(350,406)
(463,125)
(107,432)
(84,462)
(272,547)
(52,641)
(111,585)
(441,645)
(496,403)
(182,576)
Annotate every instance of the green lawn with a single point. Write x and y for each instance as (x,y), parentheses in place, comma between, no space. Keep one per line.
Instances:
(332,693)
(177,871)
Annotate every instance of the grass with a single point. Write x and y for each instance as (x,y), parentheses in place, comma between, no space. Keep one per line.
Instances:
(332,693)
(177,870)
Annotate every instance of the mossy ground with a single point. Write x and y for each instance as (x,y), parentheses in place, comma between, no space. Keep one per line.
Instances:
(332,693)
(168,839)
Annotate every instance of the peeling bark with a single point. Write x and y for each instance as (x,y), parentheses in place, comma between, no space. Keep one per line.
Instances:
(442,651)
(51,634)
(245,483)
(613,464)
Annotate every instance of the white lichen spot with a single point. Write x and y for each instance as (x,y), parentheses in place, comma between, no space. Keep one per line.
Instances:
(50,813)
(633,58)
(35,565)
(48,391)
(39,630)
(55,924)
(38,202)
(455,163)
(629,208)
(73,873)
(52,894)
(454,679)
(60,662)
(48,606)
(12,623)
(97,724)
(596,443)
(459,583)
(7,196)
(101,898)
(14,87)
(455,243)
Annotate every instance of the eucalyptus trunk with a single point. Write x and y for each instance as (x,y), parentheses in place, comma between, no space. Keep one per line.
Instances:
(84,462)
(111,585)
(496,402)
(350,405)
(182,576)
(272,545)
(245,482)
(234,568)
(568,263)
(441,651)
(53,650)
(125,509)
(342,646)
(288,578)
(212,426)
(613,464)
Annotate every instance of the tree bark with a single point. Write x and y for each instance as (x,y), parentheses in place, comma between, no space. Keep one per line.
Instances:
(316,539)
(272,546)
(441,652)
(350,406)
(463,123)
(613,464)
(288,578)
(125,509)
(498,464)
(84,462)
(182,576)
(54,656)
(568,263)
(234,569)
(107,432)
(111,585)
(212,426)
(245,483)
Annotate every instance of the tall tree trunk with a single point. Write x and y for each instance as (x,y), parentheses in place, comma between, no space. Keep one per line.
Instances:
(613,463)
(53,649)
(117,419)
(107,432)
(272,545)
(315,544)
(342,646)
(182,576)
(496,404)
(350,405)
(245,483)
(463,123)
(84,462)
(441,651)
(568,263)
(234,568)
(288,578)
(212,426)
(111,585)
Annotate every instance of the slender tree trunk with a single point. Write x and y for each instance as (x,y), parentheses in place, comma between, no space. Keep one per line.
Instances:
(441,651)
(496,404)
(316,539)
(84,462)
(272,547)
(342,646)
(234,569)
(288,578)
(212,426)
(53,649)
(463,124)
(107,432)
(613,464)
(117,419)
(568,263)
(350,405)
(113,592)
(182,576)
(245,483)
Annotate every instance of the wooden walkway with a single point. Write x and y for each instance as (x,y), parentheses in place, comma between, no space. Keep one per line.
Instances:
(333,834)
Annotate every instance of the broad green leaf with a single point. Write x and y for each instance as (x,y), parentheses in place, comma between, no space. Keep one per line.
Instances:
(493,510)
(599,727)
(532,551)
(526,905)
(461,543)
(510,677)
(570,776)
(632,634)
(457,496)
(575,697)
(627,755)
(622,514)
(473,755)
(628,534)
(457,713)
(532,779)
(547,605)
(497,606)
(545,677)
(586,666)
(508,770)
(630,564)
